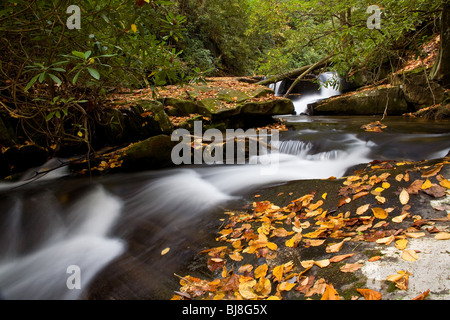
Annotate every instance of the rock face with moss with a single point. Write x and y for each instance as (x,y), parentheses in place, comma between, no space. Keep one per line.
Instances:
(365,102)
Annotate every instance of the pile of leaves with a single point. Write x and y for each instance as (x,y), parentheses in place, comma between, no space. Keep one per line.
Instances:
(254,260)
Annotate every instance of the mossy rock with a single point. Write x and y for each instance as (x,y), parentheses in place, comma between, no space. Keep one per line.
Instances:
(271,107)
(152,153)
(366,102)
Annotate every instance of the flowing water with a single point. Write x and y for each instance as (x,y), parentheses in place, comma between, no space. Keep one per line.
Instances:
(114,228)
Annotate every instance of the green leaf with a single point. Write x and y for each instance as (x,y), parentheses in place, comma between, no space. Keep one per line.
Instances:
(32,81)
(55,79)
(42,77)
(76,77)
(87,54)
(94,73)
(58,69)
(78,54)
(49,116)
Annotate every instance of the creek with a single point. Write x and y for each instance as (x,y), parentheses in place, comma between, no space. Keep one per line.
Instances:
(115,227)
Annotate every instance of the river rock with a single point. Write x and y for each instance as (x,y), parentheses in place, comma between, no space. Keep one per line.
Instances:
(364,102)
(421,92)
(152,153)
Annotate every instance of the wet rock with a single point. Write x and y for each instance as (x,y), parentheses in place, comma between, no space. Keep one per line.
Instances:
(364,102)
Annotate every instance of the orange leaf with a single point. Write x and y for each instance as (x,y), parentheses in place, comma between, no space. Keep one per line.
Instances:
(379,213)
(330,293)
(261,271)
(369,294)
(341,257)
(351,267)
(423,295)
(278,272)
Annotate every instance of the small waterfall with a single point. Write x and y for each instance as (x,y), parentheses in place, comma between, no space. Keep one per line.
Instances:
(326,91)
(276,87)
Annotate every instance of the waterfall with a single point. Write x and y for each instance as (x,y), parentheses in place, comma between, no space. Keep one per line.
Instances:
(326,91)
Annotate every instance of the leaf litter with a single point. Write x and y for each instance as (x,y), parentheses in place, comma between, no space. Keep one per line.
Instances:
(264,230)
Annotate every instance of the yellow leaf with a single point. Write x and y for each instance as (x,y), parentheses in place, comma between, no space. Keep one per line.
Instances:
(399,177)
(380,199)
(322,263)
(445,183)
(80,134)
(399,219)
(246,289)
(291,243)
(261,271)
(332,248)
(236,256)
(404,197)
(286,286)
(379,213)
(442,236)
(278,272)
(426,185)
(166,250)
(401,244)
(385,185)
(272,246)
(409,255)
(324,196)
(273,298)
(134,28)
(362,209)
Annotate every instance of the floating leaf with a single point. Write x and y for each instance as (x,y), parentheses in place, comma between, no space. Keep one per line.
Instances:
(369,294)
(404,197)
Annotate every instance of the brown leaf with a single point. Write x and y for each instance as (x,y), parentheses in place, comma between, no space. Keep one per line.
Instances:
(435,191)
(370,294)
(415,187)
(318,288)
(344,201)
(305,284)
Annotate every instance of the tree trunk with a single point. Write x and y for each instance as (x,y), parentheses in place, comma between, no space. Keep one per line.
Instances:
(441,68)
(293,73)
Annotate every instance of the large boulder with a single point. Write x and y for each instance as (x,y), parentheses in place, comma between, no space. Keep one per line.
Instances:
(365,102)
(420,91)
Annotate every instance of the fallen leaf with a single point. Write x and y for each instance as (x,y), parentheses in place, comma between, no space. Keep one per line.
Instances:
(286,286)
(385,240)
(324,196)
(369,294)
(409,255)
(404,197)
(401,279)
(415,234)
(427,184)
(318,288)
(341,257)
(401,244)
(380,199)
(278,272)
(399,177)
(432,172)
(445,183)
(400,218)
(386,185)
(246,289)
(281,233)
(246,268)
(307,263)
(344,201)
(362,209)
(379,213)
(236,256)
(332,248)
(165,251)
(442,236)
(292,243)
(261,271)
(423,295)
(374,258)
(313,242)
(330,293)
(351,267)
(435,191)
(322,263)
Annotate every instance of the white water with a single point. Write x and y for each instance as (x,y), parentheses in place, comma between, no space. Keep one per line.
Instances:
(301,104)
(80,238)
